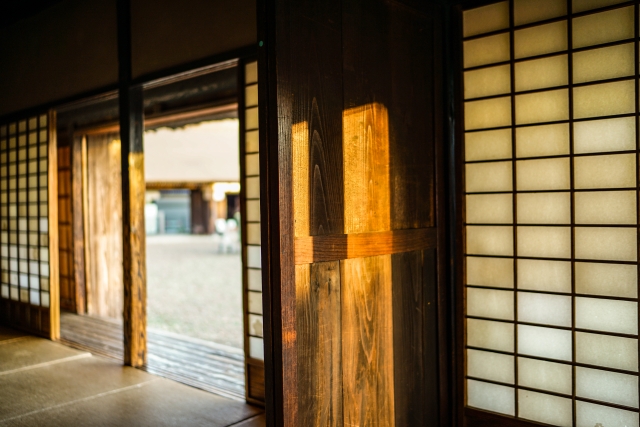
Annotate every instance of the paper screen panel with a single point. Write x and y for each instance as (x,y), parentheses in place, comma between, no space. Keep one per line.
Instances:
(28,244)
(251,234)
(526,11)
(551,213)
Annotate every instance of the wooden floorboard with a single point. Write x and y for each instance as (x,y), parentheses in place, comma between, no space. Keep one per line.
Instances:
(207,366)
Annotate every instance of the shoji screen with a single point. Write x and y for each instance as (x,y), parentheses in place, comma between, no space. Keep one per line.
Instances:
(551,148)
(254,346)
(28,225)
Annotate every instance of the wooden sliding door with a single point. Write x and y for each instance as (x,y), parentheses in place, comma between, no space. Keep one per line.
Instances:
(103,226)
(356,249)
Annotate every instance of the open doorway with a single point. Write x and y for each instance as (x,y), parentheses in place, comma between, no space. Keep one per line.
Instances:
(203,271)
(194,263)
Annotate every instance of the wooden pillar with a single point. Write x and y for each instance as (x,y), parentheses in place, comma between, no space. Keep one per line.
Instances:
(133,230)
(133,189)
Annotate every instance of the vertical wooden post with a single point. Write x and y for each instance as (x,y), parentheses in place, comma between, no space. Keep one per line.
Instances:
(133,230)
(54,263)
(78,191)
(133,187)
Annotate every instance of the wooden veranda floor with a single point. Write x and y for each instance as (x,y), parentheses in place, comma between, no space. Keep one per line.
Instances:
(201,364)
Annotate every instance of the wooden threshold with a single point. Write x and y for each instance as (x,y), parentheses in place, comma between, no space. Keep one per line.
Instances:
(338,247)
(201,364)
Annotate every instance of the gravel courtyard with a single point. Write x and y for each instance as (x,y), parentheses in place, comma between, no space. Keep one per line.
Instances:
(194,290)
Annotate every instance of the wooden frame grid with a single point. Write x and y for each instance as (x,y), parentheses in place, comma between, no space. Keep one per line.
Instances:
(251,233)
(29,297)
(475,416)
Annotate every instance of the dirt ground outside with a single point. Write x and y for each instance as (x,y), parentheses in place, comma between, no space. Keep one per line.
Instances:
(193,289)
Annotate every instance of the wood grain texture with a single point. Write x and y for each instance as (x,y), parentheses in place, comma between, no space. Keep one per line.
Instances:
(319,344)
(306,86)
(77,220)
(366,169)
(389,59)
(104,228)
(52,323)
(367,342)
(300,167)
(414,335)
(360,245)
(135,270)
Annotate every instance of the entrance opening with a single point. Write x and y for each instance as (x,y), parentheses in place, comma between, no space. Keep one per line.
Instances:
(196,282)
(194,263)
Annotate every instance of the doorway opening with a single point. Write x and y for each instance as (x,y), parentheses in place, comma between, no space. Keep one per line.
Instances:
(203,282)
(194,262)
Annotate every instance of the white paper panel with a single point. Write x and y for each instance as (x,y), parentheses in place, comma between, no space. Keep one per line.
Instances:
(544,309)
(254,257)
(611,171)
(540,39)
(487,81)
(256,348)
(605,207)
(544,208)
(253,234)
(491,397)
(544,242)
(253,210)
(252,164)
(490,366)
(582,5)
(604,99)
(607,315)
(486,50)
(255,302)
(251,118)
(251,95)
(618,244)
(490,335)
(603,27)
(541,107)
(589,415)
(608,351)
(604,135)
(255,280)
(541,73)
(489,240)
(253,187)
(488,145)
(494,176)
(615,280)
(544,140)
(252,141)
(485,19)
(490,303)
(544,342)
(251,72)
(542,275)
(604,63)
(606,386)
(489,113)
(526,11)
(489,209)
(494,272)
(544,408)
(544,174)
(542,375)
